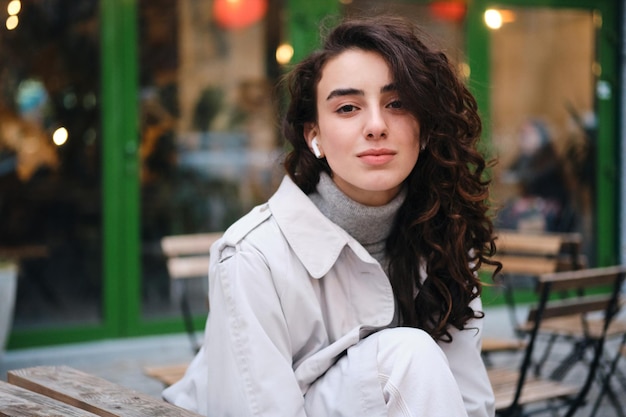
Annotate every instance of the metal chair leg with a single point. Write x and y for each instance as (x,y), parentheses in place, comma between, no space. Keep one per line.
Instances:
(188,320)
(605,384)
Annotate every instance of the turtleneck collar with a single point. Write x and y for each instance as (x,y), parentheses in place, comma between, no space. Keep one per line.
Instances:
(369,225)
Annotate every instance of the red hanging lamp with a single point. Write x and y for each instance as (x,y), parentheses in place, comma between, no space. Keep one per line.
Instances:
(238,14)
(449,10)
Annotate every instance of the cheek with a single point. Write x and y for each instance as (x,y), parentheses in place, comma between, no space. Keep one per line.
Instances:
(412,159)
(409,129)
(412,150)
(335,139)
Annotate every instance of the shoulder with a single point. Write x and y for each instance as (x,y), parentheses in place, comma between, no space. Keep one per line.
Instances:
(245,225)
(263,226)
(256,232)
(260,215)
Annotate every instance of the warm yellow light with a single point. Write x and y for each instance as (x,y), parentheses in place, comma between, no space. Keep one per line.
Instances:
(508,16)
(465,70)
(493,19)
(14,7)
(12,22)
(59,137)
(284,53)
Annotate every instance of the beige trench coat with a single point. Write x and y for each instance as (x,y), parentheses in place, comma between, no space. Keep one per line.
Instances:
(290,291)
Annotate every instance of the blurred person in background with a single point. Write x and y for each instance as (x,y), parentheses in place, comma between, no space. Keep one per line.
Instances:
(543,203)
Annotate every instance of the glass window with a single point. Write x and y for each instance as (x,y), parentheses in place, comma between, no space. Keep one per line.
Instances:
(543,119)
(50,171)
(209,144)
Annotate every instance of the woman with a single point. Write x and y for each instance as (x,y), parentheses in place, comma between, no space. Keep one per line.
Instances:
(353,291)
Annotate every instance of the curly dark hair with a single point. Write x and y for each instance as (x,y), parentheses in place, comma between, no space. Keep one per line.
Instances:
(444,221)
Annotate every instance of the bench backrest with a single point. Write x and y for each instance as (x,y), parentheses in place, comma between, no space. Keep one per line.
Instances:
(188,255)
(538,253)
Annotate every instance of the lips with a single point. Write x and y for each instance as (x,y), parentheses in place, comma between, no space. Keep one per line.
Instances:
(376,152)
(376,156)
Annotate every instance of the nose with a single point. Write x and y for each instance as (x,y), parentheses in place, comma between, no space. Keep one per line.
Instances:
(376,126)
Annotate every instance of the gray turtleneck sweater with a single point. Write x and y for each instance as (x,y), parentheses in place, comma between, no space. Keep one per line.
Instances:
(370,226)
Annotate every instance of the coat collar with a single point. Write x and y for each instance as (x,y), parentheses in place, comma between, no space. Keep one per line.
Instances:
(316,241)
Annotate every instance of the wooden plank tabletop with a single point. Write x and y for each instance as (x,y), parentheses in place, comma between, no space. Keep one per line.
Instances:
(91,393)
(16,401)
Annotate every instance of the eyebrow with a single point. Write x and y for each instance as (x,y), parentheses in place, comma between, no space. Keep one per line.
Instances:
(355,92)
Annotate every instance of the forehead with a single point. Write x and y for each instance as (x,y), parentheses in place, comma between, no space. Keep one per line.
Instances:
(355,68)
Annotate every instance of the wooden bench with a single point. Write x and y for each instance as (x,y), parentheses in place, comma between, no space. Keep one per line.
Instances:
(64,391)
(167,374)
(187,258)
(188,255)
(20,252)
(494,344)
(516,388)
(523,257)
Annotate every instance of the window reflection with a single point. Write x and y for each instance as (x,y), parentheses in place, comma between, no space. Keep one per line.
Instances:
(50,218)
(543,123)
(209,143)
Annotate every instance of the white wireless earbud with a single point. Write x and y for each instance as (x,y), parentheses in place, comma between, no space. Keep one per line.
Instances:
(316,148)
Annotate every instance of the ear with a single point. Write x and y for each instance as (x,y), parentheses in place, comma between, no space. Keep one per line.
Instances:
(310,131)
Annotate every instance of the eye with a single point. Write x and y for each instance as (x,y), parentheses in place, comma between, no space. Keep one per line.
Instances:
(396,104)
(346,108)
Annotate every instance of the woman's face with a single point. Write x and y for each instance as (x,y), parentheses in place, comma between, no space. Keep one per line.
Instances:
(371,142)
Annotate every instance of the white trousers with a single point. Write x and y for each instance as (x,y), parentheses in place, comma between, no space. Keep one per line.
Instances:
(399,372)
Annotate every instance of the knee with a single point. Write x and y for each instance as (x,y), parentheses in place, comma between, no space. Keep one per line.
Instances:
(407,336)
(408,342)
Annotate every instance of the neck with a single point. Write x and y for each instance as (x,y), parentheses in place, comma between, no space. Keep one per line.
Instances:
(370,226)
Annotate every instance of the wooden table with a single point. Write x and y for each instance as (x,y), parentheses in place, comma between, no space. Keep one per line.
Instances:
(64,391)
